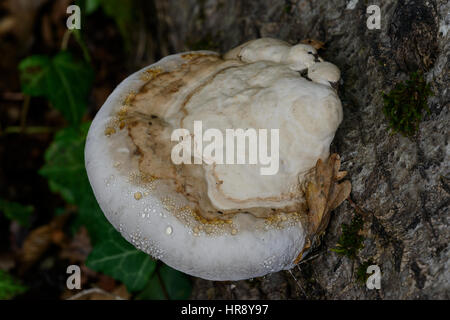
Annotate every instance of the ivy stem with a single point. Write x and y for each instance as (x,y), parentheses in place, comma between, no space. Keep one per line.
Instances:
(65,40)
(355,206)
(82,44)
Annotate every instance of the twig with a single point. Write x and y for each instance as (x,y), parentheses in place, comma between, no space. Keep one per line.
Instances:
(309,259)
(94,290)
(65,40)
(355,206)
(298,284)
(82,45)
(27,130)
(12,96)
(24,112)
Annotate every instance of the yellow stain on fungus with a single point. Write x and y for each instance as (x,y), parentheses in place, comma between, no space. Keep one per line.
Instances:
(128,100)
(109,131)
(151,74)
(189,56)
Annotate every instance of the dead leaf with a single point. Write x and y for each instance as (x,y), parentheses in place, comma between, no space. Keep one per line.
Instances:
(77,250)
(106,283)
(323,194)
(122,292)
(7,261)
(39,240)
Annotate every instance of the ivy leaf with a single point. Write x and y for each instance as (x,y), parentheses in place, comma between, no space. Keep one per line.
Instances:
(153,290)
(64,164)
(65,82)
(91,6)
(34,71)
(122,12)
(9,287)
(91,216)
(178,285)
(167,283)
(117,258)
(66,174)
(17,212)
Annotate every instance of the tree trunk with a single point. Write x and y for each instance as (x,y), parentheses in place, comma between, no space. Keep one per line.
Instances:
(402,184)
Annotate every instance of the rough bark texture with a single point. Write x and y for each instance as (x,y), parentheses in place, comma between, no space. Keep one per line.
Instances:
(402,184)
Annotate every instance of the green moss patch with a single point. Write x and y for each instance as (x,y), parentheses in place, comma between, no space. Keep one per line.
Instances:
(350,242)
(405,103)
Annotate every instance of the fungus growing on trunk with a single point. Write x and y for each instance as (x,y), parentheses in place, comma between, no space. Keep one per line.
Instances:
(211,218)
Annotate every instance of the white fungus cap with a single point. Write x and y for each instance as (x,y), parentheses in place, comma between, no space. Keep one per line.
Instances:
(219,222)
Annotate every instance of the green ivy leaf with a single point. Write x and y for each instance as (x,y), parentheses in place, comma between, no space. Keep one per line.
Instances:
(34,73)
(122,12)
(178,284)
(92,6)
(64,164)
(9,287)
(117,258)
(91,216)
(65,82)
(66,174)
(17,212)
(153,290)
(167,283)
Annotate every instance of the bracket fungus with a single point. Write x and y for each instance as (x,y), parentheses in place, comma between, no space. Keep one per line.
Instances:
(211,219)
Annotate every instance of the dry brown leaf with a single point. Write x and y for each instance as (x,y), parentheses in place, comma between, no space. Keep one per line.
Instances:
(121,291)
(106,283)
(34,246)
(7,261)
(39,240)
(77,250)
(323,194)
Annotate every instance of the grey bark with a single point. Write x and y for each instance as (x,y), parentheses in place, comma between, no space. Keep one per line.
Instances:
(402,184)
